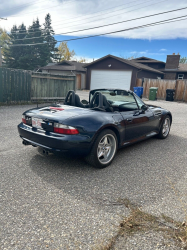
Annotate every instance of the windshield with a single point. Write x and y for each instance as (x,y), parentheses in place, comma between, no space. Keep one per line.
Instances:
(118,98)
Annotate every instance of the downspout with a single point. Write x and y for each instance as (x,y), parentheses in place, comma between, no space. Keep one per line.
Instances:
(137,73)
(75,79)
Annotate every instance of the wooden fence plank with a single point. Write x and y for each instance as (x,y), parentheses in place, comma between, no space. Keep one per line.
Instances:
(20,85)
(51,86)
(8,85)
(161,84)
(48,77)
(12,85)
(180,88)
(1,85)
(5,85)
(185,92)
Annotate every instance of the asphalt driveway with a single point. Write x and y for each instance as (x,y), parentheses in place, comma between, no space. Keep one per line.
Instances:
(63,203)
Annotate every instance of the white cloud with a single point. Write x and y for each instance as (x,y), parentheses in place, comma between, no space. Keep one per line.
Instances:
(143,52)
(163,50)
(146,53)
(88,59)
(74,15)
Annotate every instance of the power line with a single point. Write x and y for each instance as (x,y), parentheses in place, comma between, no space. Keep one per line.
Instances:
(109,12)
(24,5)
(108,33)
(100,12)
(112,13)
(101,26)
(117,14)
(45,8)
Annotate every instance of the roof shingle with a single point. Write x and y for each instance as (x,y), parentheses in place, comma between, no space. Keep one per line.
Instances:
(129,62)
(68,66)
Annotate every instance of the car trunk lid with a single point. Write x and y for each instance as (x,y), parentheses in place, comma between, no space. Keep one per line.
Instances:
(45,118)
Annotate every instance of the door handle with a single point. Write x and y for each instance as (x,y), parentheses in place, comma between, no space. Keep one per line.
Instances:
(129,120)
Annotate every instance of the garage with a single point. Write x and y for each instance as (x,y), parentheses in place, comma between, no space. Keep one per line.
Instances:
(109,78)
(115,72)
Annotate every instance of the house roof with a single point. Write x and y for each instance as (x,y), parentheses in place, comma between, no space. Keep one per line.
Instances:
(66,66)
(146,60)
(142,58)
(129,62)
(182,68)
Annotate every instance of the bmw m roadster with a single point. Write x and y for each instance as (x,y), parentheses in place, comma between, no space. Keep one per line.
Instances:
(113,118)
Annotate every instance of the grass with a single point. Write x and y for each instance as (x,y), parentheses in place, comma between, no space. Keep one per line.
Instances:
(140,221)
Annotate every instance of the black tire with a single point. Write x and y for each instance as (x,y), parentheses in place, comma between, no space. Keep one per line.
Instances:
(93,159)
(162,135)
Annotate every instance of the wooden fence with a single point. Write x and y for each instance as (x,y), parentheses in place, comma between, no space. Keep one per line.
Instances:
(51,87)
(22,85)
(180,87)
(15,85)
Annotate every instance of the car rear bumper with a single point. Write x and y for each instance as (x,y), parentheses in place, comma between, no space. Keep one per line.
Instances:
(75,144)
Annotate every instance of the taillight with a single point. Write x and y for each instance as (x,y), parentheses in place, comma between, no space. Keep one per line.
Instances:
(56,108)
(23,119)
(64,129)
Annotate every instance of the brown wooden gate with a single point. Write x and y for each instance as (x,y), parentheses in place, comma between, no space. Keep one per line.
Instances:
(78,81)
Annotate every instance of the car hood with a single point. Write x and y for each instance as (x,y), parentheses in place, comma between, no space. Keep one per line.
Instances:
(59,113)
(153,106)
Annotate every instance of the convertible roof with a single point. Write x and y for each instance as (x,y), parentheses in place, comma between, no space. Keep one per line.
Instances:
(111,90)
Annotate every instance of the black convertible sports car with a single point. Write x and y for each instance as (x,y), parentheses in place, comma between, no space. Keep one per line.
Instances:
(112,118)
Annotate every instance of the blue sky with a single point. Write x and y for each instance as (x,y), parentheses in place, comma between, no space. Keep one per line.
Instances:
(100,46)
(75,15)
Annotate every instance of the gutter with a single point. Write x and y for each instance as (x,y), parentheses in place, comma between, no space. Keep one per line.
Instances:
(137,73)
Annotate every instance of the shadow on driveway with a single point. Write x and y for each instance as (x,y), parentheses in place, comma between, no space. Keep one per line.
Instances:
(138,172)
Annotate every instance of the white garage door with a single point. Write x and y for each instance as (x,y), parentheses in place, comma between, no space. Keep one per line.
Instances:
(110,79)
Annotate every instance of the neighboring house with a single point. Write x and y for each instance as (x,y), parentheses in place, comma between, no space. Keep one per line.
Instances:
(172,69)
(67,68)
(111,72)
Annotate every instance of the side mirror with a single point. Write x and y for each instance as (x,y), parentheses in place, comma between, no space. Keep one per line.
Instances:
(84,102)
(144,108)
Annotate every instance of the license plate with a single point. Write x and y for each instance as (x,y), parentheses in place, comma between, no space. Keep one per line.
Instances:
(36,123)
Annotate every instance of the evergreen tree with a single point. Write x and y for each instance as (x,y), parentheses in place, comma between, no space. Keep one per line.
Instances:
(39,45)
(48,33)
(13,54)
(35,54)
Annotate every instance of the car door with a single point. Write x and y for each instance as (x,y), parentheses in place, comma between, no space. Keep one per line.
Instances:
(137,122)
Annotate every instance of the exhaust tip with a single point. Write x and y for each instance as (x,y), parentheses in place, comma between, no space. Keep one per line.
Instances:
(45,152)
(24,143)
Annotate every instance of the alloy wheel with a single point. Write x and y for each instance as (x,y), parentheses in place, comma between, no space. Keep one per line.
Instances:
(166,127)
(106,148)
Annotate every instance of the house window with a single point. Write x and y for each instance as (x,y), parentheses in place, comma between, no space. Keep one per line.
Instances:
(180,76)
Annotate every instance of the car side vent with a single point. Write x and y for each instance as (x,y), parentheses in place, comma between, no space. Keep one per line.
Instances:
(157,113)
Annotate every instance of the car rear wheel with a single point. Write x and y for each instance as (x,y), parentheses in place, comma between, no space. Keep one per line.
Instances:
(103,150)
(165,128)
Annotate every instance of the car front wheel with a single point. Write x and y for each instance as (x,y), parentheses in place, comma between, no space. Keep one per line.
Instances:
(103,150)
(165,128)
